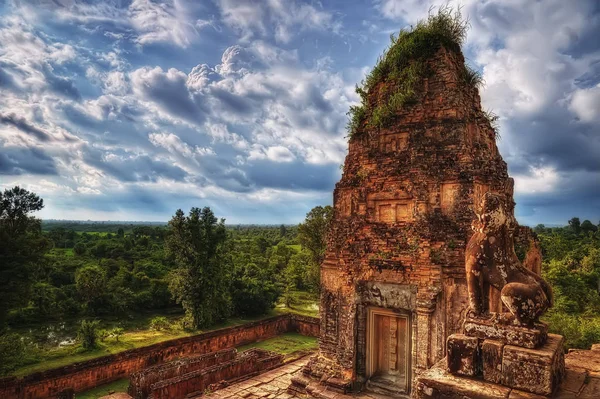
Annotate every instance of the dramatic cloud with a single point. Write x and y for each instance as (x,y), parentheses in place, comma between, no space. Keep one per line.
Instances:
(130,110)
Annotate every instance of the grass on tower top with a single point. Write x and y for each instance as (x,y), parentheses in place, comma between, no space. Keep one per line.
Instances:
(401,68)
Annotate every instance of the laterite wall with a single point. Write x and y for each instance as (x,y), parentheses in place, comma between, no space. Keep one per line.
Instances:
(85,375)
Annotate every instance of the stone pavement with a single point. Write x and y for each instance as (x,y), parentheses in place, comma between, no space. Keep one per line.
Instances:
(273,385)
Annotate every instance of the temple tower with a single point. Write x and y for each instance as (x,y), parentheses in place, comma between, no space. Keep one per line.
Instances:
(421,155)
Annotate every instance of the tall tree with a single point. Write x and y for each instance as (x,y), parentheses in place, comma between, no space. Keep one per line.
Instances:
(22,246)
(312,233)
(575,225)
(201,283)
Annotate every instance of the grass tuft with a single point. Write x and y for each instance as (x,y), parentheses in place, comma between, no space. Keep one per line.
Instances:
(492,119)
(471,77)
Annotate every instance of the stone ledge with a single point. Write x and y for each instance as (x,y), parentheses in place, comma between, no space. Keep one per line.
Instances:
(438,383)
(506,333)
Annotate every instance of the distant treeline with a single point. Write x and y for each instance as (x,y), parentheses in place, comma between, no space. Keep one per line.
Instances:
(571,257)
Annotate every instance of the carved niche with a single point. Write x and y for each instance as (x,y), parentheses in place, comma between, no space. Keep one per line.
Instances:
(391,207)
(394,142)
(449,192)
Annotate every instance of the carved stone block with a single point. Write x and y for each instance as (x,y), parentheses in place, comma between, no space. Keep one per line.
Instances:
(537,371)
(506,333)
(491,353)
(463,355)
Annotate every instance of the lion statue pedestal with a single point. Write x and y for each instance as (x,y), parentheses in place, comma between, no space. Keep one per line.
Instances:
(499,354)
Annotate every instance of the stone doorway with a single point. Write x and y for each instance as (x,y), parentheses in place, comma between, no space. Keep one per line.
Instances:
(388,350)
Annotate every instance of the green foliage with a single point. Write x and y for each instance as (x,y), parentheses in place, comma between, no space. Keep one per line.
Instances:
(313,231)
(12,351)
(201,283)
(160,323)
(90,281)
(88,334)
(572,267)
(22,246)
(492,119)
(399,72)
(471,77)
(254,290)
(579,331)
(116,333)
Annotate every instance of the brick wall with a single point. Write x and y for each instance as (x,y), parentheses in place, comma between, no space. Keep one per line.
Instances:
(85,375)
(248,363)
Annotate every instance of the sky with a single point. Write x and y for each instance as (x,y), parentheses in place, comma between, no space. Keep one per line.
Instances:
(129,110)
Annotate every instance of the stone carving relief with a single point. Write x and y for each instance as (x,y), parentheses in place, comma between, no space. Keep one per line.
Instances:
(394,142)
(490,261)
(330,322)
(448,195)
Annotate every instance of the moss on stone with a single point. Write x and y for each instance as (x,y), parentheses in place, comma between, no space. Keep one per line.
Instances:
(396,79)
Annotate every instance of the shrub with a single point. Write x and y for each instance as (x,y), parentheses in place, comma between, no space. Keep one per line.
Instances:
(117,332)
(12,349)
(160,323)
(88,333)
(103,334)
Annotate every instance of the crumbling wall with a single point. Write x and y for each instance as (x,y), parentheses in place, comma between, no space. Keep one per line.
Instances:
(247,364)
(85,375)
(141,381)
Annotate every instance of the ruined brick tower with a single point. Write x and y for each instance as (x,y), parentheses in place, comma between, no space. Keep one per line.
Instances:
(393,278)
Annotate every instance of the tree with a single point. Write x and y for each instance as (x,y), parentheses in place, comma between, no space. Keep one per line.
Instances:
(22,246)
(254,290)
(312,233)
(201,283)
(120,232)
(282,231)
(91,285)
(88,334)
(79,249)
(575,225)
(587,226)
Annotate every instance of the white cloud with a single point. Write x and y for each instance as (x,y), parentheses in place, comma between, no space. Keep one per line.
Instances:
(166,21)
(539,180)
(284,18)
(280,154)
(586,104)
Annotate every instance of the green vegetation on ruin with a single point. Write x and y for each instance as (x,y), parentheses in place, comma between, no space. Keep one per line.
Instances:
(285,344)
(396,79)
(103,390)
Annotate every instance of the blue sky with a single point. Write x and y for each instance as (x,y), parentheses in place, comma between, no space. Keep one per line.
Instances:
(128,110)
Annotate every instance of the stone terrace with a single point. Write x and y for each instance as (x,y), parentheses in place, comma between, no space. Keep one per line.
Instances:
(582,382)
(274,385)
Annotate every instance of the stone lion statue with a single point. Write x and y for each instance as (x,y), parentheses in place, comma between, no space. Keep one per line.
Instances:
(491,262)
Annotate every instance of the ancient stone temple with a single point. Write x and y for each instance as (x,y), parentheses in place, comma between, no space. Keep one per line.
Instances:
(393,279)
